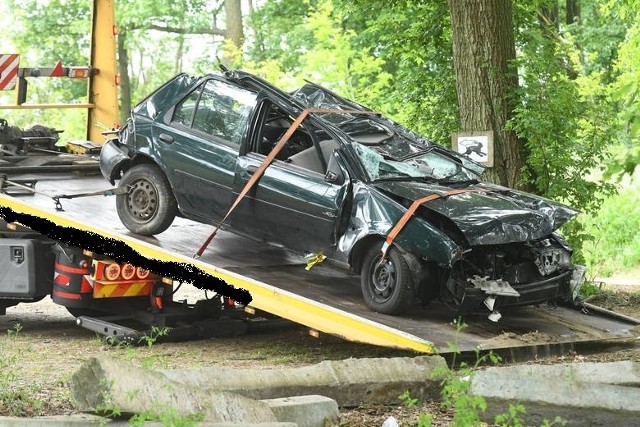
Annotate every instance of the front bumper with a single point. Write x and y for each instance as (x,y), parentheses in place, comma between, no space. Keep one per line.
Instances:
(551,289)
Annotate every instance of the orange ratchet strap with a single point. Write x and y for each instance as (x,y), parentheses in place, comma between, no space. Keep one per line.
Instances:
(267,161)
(412,209)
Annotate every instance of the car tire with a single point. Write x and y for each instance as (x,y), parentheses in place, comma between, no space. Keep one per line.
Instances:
(387,285)
(149,206)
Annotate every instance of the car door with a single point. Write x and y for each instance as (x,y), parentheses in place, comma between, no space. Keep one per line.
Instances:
(292,204)
(198,142)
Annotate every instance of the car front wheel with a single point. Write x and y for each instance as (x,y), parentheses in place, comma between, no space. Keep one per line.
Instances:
(386,283)
(149,206)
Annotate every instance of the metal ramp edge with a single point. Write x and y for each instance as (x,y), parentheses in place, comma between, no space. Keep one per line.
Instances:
(269,298)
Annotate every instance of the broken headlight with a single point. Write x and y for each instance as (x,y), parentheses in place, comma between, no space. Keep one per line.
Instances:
(550,258)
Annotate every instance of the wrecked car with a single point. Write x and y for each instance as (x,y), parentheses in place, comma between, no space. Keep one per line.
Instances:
(411,217)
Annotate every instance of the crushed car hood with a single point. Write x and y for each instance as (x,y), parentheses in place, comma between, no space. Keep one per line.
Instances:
(488,214)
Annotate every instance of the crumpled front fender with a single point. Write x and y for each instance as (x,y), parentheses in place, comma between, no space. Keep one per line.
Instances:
(374,214)
(113,157)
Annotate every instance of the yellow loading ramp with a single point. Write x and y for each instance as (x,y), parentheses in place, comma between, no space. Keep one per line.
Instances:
(282,303)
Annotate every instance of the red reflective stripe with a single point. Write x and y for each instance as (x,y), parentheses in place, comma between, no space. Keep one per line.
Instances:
(11,63)
(74,270)
(66,295)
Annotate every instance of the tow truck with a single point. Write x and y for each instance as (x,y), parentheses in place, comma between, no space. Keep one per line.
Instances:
(105,289)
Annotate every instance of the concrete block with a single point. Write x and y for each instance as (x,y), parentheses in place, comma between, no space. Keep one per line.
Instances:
(581,393)
(305,411)
(350,382)
(103,384)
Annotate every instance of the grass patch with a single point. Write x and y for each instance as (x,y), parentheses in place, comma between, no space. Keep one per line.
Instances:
(16,399)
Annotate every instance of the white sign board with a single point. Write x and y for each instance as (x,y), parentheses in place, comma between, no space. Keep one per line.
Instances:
(477,146)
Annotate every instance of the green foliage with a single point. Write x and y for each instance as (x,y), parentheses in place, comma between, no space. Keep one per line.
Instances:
(167,417)
(616,242)
(565,124)
(62,26)
(347,46)
(512,417)
(154,333)
(626,88)
(565,119)
(417,54)
(407,400)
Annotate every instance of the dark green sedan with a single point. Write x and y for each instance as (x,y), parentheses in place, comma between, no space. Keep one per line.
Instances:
(411,217)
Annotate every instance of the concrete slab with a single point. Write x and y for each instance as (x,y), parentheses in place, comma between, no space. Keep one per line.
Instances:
(76,420)
(103,384)
(81,420)
(305,411)
(350,382)
(593,394)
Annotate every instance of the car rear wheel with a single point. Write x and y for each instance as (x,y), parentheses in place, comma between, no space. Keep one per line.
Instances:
(149,206)
(386,283)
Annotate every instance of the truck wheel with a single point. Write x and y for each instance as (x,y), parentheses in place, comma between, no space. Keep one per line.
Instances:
(149,207)
(386,284)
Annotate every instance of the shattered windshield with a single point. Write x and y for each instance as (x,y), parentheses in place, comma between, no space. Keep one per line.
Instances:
(387,150)
(430,165)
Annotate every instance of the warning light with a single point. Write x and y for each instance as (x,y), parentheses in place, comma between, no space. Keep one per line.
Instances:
(142,273)
(112,271)
(128,271)
(79,72)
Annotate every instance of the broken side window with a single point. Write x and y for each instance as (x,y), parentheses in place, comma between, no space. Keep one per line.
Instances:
(217,109)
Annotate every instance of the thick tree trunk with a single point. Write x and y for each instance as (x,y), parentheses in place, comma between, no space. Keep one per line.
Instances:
(483,48)
(125,81)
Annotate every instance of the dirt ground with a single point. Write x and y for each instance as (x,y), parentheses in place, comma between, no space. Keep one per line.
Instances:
(42,348)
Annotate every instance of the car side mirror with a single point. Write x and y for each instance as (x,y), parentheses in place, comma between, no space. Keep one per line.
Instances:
(334,174)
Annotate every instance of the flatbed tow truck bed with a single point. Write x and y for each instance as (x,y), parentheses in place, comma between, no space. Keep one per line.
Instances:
(324,299)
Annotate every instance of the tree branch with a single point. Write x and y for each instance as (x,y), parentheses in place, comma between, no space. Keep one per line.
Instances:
(175,30)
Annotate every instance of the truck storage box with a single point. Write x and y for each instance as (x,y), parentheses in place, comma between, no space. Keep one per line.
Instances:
(26,268)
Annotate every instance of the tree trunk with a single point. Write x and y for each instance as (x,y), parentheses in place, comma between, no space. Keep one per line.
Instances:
(233,22)
(125,81)
(573,11)
(179,54)
(483,48)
